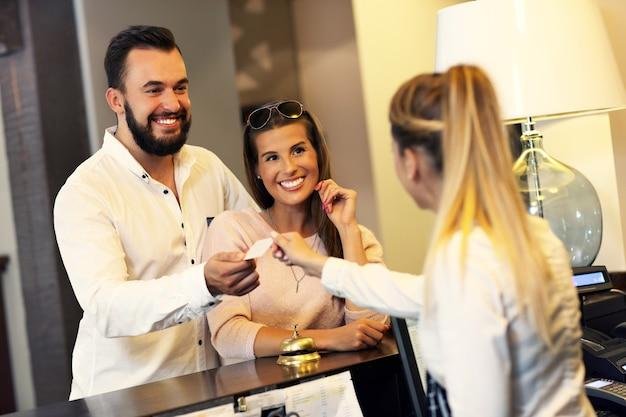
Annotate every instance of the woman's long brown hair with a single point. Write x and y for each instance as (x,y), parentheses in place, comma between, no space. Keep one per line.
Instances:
(325,228)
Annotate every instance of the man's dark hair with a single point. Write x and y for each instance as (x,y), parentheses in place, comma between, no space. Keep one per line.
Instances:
(141,37)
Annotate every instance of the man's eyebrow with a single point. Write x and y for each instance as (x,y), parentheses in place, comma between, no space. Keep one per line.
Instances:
(153,83)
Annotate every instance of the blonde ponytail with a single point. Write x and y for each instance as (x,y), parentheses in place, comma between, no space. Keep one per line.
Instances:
(479,188)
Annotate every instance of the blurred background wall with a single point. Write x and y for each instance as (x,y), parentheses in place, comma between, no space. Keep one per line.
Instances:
(202,30)
(342,58)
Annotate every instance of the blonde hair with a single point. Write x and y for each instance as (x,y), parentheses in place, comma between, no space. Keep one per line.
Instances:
(455,117)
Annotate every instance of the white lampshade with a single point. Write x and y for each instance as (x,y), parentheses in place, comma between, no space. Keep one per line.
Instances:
(546,58)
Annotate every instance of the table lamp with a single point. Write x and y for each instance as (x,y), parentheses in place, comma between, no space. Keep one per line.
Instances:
(546,59)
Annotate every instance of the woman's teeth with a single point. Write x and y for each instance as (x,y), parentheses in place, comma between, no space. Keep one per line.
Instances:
(291,184)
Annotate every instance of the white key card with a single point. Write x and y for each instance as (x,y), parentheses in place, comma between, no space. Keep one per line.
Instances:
(258,248)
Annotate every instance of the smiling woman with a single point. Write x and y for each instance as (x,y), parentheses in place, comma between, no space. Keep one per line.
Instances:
(287,166)
(288,169)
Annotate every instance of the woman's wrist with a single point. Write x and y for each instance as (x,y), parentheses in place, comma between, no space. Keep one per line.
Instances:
(352,244)
(321,337)
(315,264)
(347,229)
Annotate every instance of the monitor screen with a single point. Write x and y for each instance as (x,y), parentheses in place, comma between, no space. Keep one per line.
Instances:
(590,278)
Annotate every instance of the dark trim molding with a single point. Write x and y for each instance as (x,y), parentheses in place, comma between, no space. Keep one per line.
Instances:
(7,394)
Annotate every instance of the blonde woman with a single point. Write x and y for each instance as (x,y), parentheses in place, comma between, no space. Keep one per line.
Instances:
(499,326)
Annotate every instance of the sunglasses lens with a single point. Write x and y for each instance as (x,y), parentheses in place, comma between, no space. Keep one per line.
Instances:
(258,118)
(290,109)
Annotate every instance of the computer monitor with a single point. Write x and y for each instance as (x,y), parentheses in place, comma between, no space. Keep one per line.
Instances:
(590,279)
(409,366)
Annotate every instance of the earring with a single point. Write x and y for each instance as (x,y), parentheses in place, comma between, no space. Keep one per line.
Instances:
(258,177)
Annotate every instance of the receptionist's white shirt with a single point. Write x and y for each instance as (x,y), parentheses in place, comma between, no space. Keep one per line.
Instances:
(474,341)
(132,254)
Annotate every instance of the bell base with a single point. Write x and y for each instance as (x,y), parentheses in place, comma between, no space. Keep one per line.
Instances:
(297,360)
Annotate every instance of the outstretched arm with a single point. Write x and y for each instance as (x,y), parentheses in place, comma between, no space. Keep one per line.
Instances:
(371,286)
(125,305)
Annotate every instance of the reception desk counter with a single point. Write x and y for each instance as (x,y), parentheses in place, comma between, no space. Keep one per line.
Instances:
(376,374)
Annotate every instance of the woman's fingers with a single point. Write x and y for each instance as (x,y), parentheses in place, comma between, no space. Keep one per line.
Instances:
(323,188)
(368,340)
(287,244)
(372,333)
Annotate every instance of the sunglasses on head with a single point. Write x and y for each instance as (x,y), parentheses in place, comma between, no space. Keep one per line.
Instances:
(289,109)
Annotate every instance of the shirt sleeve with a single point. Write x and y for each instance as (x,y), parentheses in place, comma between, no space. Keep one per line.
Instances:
(94,258)
(374,286)
(472,330)
(235,197)
(374,254)
(232,330)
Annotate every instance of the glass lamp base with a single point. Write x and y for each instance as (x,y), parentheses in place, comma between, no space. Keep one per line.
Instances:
(561,195)
(575,216)
(566,199)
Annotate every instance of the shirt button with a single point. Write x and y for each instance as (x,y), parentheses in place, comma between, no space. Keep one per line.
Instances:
(182,225)
(165,191)
(200,342)
(193,261)
(144,176)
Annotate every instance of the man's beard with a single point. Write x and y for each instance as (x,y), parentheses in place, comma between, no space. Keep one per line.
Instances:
(150,144)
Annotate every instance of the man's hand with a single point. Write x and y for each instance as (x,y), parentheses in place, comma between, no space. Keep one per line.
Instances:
(228,273)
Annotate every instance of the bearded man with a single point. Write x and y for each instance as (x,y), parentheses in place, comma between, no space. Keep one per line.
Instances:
(130,223)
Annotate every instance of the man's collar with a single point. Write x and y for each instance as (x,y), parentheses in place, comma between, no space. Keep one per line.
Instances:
(112,146)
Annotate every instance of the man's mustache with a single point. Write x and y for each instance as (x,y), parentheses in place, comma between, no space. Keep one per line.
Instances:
(181,114)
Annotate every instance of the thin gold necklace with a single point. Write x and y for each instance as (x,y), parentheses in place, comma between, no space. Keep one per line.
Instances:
(291,267)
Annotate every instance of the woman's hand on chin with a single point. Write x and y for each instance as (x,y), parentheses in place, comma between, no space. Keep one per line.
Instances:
(292,249)
(339,203)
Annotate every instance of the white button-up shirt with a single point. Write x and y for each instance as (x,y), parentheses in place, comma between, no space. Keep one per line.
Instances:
(132,254)
(474,339)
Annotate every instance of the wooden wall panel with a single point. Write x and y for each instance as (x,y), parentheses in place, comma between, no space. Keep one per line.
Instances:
(44,118)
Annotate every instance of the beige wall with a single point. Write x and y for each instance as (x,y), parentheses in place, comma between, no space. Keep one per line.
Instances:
(614,14)
(596,146)
(352,56)
(394,43)
(388,57)
(330,85)
(202,30)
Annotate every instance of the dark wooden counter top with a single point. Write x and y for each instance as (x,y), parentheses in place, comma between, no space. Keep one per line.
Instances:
(216,386)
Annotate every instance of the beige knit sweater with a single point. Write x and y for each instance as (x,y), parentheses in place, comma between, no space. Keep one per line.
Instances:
(235,321)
